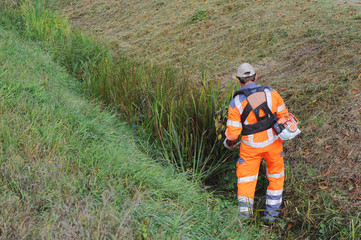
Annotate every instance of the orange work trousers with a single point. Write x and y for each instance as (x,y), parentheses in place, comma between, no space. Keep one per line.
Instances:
(247,172)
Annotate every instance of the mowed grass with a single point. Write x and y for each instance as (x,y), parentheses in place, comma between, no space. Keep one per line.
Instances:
(71,170)
(216,36)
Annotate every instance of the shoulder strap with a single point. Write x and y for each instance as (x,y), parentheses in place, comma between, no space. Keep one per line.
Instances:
(264,122)
(249,91)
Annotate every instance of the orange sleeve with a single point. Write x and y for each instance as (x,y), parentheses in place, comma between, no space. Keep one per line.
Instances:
(281,109)
(234,125)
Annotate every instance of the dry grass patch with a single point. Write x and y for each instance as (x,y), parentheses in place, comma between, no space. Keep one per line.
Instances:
(212,35)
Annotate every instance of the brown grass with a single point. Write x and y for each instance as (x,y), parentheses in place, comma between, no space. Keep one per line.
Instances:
(307,50)
(231,32)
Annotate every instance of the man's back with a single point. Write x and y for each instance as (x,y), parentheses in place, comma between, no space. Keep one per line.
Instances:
(238,106)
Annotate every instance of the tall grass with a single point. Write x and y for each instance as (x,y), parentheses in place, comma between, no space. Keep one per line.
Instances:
(176,113)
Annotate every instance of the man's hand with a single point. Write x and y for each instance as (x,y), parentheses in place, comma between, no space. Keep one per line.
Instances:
(228,144)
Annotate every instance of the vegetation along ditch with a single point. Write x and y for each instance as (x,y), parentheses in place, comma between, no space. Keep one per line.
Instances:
(183,118)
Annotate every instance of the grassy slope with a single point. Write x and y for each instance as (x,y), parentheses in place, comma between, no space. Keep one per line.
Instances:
(71,170)
(213,35)
(308,50)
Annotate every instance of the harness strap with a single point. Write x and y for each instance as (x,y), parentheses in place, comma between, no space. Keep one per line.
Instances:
(263,123)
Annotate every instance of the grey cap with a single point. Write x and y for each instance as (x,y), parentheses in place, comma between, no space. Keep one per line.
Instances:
(245,70)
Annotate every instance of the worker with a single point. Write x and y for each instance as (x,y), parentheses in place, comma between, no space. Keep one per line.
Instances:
(253,112)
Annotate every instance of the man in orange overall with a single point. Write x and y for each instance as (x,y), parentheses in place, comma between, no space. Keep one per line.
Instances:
(252,113)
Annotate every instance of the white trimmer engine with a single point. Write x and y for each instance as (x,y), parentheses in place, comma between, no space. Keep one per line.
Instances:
(286,127)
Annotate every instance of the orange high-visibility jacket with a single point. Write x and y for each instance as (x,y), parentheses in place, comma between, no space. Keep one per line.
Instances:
(235,109)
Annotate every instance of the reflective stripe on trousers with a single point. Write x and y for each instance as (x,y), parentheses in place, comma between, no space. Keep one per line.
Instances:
(245,206)
(247,179)
(273,202)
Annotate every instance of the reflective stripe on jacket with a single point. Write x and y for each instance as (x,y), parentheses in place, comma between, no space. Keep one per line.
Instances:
(235,109)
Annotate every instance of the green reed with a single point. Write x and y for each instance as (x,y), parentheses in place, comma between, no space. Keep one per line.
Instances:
(177,114)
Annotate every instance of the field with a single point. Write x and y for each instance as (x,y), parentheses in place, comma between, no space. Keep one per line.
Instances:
(170,76)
